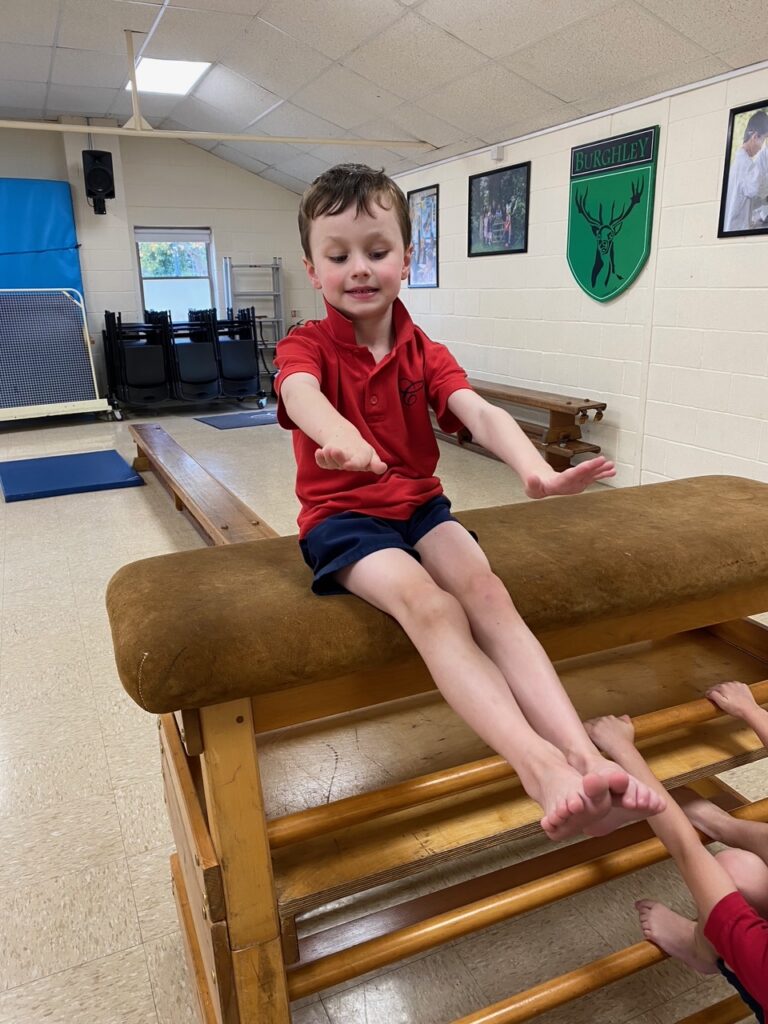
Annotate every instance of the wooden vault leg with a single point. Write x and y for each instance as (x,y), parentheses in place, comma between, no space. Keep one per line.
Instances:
(238,829)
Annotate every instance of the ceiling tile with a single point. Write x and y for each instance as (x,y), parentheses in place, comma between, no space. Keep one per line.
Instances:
(32,22)
(240,99)
(503,28)
(268,153)
(576,62)
(684,74)
(235,156)
(195,35)
(379,128)
(750,51)
(201,117)
(79,99)
(413,57)
(487,99)
(95,25)
(87,67)
(466,145)
(333,27)
(303,166)
(28,95)
(284,180)
(717,25)
(346,99)
(246,7)
(24,63)
(151,104)
(559,113)
(273,60)
(169,124)
(423,125)
(372,156)
(288,119)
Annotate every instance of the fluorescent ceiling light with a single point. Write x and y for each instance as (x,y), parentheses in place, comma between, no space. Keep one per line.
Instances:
(175,77)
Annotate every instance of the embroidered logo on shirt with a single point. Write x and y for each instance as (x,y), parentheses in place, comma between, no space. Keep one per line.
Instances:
(409,389)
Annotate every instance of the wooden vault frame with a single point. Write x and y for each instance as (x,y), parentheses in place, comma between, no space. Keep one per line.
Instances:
(240,880)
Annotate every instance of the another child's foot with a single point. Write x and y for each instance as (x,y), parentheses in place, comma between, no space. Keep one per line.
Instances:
(702,814)
(674,934)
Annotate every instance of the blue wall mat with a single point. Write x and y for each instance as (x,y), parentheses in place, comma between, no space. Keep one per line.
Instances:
(65,474)
(229,420)
(38,242)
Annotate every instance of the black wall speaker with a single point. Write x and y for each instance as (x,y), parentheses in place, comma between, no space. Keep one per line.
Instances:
(99,177)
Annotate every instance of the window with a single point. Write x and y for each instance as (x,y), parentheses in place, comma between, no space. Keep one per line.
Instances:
(175,269)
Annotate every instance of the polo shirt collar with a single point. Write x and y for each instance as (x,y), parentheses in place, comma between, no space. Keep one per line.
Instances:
(343,330)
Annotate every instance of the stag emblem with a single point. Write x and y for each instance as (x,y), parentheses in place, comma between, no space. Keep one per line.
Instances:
(605,231)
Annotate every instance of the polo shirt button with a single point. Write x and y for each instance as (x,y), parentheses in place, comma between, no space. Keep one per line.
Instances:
(374,400)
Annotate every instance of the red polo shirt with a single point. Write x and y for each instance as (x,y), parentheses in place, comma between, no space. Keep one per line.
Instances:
(388,402)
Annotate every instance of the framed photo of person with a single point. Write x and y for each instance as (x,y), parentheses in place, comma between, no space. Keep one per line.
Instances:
(423,205)
(498,211)
(744,198)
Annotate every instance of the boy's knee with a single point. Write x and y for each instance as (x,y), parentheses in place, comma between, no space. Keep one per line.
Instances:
(429,603)
(740,865)
(485,590)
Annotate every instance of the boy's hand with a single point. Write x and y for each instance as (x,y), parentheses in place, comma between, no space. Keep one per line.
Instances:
(734,698)
(356,458)
(611,734)
(570,481)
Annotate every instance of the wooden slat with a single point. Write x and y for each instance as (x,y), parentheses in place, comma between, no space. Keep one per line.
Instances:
(483,913)
(746,634)
(195,963)
(329,817)
(222,516)
(195,836)
(533,398)
(382,922)
(362,856)
(573,985)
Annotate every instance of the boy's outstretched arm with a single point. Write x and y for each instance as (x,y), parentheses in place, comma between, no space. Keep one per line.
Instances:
(707,880)
(341,445)
(497,431)
(736,699)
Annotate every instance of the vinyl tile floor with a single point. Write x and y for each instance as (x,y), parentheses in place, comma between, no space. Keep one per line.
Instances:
(89,933)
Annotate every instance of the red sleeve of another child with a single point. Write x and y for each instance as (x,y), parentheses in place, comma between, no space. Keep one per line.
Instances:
(740,937)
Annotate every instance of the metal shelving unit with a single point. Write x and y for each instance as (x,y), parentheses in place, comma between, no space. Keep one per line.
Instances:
(258,286)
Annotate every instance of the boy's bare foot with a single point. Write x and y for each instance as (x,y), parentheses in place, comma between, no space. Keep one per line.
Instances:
(631,800)
(674,934)
(572,803)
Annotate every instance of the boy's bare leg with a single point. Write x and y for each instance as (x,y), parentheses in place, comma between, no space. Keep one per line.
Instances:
(393,581)
(716,823)
(457,563)
(676,935)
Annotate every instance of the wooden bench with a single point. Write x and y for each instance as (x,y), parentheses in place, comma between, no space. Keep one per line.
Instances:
(247,664)
(559,439)
(218,515)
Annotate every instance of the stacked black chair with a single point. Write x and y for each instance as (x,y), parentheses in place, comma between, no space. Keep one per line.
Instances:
(234,341)
(136,361)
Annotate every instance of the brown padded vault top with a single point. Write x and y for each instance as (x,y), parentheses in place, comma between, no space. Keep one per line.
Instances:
(203,626)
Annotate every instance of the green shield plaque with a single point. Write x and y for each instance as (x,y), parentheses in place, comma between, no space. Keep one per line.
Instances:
(610,211)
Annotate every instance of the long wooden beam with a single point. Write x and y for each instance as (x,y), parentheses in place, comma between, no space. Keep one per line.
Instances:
(435,931)
(318,821)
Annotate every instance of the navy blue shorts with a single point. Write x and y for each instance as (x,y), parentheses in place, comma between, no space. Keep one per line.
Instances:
(343,539)
(754,1006)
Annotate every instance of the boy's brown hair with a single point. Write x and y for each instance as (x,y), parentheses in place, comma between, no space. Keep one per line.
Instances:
(341,186)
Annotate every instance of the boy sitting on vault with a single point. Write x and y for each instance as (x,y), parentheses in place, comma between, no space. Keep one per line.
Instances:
(355,389)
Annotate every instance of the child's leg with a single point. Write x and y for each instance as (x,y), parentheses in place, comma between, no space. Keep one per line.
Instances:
(719,825)
(749,874)
(393,581)
(457,563)
(676,935)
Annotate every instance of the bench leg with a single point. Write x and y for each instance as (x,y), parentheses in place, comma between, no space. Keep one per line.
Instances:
(237,825)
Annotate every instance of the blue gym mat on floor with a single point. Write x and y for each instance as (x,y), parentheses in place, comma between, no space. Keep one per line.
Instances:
(21,479)
(228,420)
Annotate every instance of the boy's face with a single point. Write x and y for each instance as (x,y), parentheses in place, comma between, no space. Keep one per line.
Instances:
(358,262)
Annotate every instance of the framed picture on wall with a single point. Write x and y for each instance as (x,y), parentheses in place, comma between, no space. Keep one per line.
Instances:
(744,198)
(498,211)
(423,205)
